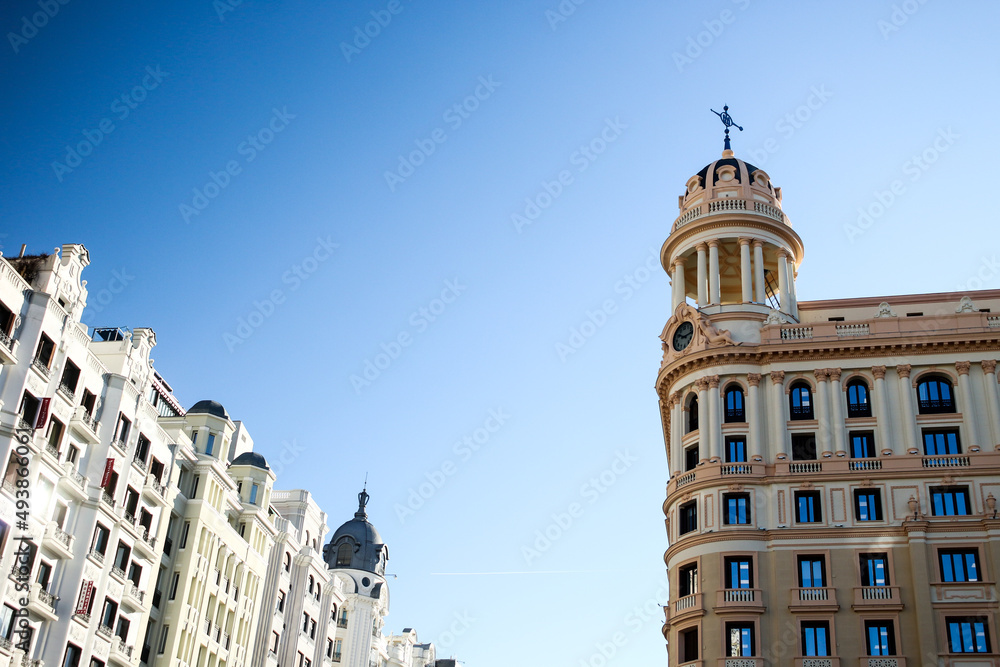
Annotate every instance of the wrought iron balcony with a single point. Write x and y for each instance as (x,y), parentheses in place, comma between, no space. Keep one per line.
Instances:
(41,367)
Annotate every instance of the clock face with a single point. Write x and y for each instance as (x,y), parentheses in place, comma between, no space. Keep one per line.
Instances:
(683,335)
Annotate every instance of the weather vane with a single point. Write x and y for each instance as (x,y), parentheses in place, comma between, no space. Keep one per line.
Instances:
(727,120)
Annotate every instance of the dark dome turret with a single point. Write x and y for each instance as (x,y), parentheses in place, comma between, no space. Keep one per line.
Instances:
(209,407)
(356,545)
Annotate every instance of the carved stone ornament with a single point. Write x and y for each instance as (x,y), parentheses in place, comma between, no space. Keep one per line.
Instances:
(866,483)
(884,310)
(774,317)
(966,306)
(705,337)
(777,377)
(878,372)
(962,367)
(947,480)
(835,374)
(701,384)
(903,370)
(686,497)
(806,485)
(989,366)
(735,487)
(914,507)
(713,381)
(675,398)
(821,374)
(753,379)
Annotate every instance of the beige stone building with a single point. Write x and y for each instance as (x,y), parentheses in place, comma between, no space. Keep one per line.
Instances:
(834,465)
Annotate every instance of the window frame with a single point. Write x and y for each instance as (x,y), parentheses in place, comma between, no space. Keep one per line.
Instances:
(799,410)
(687,515)
(727,511)
(935,406)
(879,510)
(737,414)
(858,409)
(817,497)
(950,635)
(944,491)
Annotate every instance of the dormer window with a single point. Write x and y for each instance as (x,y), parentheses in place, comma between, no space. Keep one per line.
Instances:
(344,554)
(210,445)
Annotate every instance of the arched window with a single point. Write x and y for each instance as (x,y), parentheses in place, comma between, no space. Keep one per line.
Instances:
(800,399)
(288,562)
(858,401)
(344,553)
(734,405)
(935,395)
(693,414)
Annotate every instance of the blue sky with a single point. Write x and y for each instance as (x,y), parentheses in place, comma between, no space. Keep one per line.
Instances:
(239,189)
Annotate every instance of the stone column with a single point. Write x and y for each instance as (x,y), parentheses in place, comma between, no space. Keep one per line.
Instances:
(786,305)
(676,434)
(745,270)
(758,270)
(778,421)
(906,413)
(714,288)
(822,411)
(703,433)
(754,446)
(992,399)
(680,288)
(791,285)
(714,417)
(837,412)
(702,274)
(882,416)
(968,403)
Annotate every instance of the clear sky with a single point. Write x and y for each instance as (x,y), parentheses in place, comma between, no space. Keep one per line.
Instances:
(291,204)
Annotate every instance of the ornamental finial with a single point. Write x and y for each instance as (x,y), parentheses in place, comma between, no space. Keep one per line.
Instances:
(727,120)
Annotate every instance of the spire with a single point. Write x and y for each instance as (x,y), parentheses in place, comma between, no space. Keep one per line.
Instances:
(362,501)
(727,120)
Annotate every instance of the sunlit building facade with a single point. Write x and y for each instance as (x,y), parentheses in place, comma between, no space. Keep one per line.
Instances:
(834,465)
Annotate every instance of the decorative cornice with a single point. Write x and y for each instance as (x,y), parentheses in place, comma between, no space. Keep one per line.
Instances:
(989,365)
(753,379)
(903,370)
(878,372)
(962,367)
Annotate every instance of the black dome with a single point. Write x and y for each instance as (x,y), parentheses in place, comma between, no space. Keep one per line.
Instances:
(250,459)
(209,407)
(731,162)
(362,543)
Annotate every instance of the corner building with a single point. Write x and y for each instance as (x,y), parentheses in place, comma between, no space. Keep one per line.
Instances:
(834,465)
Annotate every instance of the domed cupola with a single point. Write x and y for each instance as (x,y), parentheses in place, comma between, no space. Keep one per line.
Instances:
(732,250)
(356,545)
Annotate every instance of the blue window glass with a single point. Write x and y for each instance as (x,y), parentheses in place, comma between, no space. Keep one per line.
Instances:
(935,396)
(737,508)
(740,636)
(811,572)
(210,445)
(858,404)
(939,443)
(880,638)
(862,445)
(874,570)
(868,505)
(739,572)
(734,405)
(815,639)
(959,565)
(736,450)
(807,507)
(950,502)
(801,402)
(968,635)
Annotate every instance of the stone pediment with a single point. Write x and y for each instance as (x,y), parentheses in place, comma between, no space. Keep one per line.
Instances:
(704,335)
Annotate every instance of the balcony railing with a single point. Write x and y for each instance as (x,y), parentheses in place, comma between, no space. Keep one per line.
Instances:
(141,464)
(802,412)
(6,341)
(46,598)
(52,449)
(865,464)
(67,391)
(5,644)
(108,499)
(814,598)
(856,410)
(805,467)
(947,461)
(96,555)
(41,367)
(740,594)
(872,596)
(931,406)
(105,631)
(341,622)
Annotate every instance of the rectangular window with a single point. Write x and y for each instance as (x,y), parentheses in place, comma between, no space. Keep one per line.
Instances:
(7,621)
(122,555)
(939,442)
(950,501)
(807,507)
(56,430)
(815,638)
(689,644)
(959,565)
(184,535)
(687,580)
(275,640)
(305,622)
(72,657)
(739,639)
(812,572)
(968,635)
(803,447)
(70,377)
(863,445)
(163,639)
(253,493)
(736,450)
(739,572)
(122,429)
(210,445)
(100,543)
(868,505)
(142,448)
(691,458)
(173,585)
(687,516)
(880,638)
(281,601)
(45,351)
(874,570)
(737,508)
(109,613)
